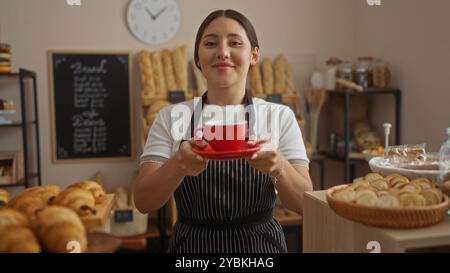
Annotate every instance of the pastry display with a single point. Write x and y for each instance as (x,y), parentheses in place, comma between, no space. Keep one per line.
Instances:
(34,199)
(80,200)
(5,58)
(393,191)
(57,227)
(93,187)
(18,239)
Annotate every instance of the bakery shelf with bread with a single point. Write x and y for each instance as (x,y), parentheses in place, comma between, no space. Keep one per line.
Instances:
(274,80)
(53,217)
(393,201)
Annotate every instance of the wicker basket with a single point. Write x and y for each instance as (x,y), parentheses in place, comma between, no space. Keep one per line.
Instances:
(389,217)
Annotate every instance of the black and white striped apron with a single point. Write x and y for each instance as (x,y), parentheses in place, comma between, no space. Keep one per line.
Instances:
(226,209)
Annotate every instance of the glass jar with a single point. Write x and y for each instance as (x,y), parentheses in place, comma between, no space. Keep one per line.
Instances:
(362,77)
(381,74)
(330,73)
(345,71)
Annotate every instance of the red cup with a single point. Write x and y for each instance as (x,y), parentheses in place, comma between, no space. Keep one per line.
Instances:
(225,136)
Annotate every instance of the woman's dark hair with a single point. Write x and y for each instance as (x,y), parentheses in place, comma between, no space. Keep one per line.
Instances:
(229,13)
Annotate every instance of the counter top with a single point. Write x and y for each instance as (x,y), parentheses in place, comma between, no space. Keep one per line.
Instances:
(325,231)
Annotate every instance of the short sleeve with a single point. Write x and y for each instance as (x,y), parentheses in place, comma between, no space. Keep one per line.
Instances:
(159,141)
(291,143)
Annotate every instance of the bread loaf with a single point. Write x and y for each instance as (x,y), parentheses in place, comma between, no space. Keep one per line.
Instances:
(267,74)
(179,60)
(280,74)
(256,85)
(146,73)
(158,75)
(169,76)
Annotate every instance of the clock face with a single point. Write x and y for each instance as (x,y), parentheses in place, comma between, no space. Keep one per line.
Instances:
(153,21)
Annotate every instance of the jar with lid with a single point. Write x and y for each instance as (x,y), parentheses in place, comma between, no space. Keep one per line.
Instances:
(362,77)
(381,74)
(330,73)
(363,73)
(345,71)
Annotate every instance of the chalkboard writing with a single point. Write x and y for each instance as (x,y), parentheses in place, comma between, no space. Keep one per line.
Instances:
(91,105)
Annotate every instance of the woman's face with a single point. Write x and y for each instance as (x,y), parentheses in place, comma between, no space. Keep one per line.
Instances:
(225,53)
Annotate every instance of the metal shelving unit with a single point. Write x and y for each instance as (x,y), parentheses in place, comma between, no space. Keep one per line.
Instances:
(351,159)
(23,75)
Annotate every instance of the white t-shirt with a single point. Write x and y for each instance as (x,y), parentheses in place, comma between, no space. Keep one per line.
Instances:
(274,121)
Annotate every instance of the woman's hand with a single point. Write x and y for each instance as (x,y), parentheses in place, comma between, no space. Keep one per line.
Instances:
(267,160)
(190,163)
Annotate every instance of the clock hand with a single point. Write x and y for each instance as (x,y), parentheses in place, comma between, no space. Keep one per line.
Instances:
(160,12)
(151,14)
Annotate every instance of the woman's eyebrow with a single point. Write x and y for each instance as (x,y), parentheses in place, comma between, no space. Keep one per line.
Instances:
(213,35)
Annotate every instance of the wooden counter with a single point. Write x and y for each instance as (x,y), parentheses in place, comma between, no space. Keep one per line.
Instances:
(325,231)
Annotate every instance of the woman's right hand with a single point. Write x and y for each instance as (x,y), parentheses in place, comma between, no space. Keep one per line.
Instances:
(190,163)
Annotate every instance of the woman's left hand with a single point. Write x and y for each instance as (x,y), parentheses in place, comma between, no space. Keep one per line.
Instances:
(268,159)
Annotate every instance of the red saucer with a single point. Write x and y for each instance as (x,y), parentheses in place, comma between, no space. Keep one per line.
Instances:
(209,153)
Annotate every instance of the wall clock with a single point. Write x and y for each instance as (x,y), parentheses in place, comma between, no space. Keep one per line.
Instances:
(153,21)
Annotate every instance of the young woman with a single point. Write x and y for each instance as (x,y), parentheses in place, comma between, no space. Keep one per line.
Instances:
(225,205)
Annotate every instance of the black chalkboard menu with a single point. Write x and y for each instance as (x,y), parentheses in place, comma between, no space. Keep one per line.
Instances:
(91,106)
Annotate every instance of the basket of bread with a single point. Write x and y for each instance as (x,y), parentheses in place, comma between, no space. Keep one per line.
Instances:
(393,201)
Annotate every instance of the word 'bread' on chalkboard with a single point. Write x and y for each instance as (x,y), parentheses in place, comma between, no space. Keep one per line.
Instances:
(91,103)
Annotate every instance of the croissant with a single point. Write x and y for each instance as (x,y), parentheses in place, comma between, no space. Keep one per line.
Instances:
(92,186)
(12,217)
(47,193)
(60,228)
(27,203)
(4,196)
(18,239)
(80,200)
(16,235)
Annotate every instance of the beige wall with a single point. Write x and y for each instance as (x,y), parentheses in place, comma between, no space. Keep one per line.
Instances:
(413,36)
(308,31)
